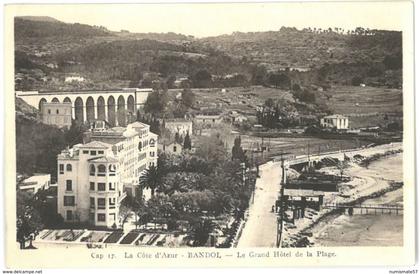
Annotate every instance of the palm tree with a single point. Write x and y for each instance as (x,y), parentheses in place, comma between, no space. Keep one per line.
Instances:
(201,231)
(151,178)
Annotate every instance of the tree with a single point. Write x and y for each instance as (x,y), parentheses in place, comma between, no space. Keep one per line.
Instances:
(212,150)
(156,103)
(187,142)
(28,220)
(151,179)
(393,61)
(155,126)
(160,209)
(296,87)
(142,212)
(237,151)
(201,231)
(125,211)
(279,80)
(269,114)
(188,98)
(356,80)
(75,133)
(202,79)
(37,146)
(258,75)
(47,208)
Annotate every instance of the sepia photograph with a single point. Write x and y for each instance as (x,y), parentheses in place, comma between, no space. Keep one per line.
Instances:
(210,127)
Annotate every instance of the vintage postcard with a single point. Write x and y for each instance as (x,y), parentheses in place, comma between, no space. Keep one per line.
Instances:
(209,134)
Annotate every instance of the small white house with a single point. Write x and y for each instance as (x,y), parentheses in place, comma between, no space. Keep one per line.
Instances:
(336,121)
(35,183)
(70,79)
(180,126)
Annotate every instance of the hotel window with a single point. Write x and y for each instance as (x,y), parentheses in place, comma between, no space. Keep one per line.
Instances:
(92,186)
(92,170)
(61,169)
(111,186)
(85,151)
(101,186)
(69,215)
(57,111)
(92,217)
(112,168)
(101,203)
(49,111)
(69,185)
(112,216)
(68,167)
(92,202)
(101,170)
(93,152)
(174,148)
(111,202)
(68,200)
(152,154)
(100,152)
(101,217)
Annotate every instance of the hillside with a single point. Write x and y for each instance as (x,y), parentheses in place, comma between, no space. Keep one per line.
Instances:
(44,58)
(23,108)
(48,27)
(307,48)
(38,18)
(323,56)
(47,51)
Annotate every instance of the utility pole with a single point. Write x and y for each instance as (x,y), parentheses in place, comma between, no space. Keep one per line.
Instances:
(308,151)
(309,157)
(262,148)
(280,216)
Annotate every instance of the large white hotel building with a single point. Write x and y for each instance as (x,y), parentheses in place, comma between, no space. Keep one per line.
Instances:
(94,177)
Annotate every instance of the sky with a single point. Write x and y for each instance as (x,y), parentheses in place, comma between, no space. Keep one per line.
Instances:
(210,19)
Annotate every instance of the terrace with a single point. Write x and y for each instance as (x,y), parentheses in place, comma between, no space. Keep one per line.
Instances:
(134,237)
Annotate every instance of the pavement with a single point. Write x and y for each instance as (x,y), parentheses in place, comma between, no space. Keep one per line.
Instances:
(261,227)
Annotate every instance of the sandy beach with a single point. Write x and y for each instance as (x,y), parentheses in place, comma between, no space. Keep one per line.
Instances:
(374,184)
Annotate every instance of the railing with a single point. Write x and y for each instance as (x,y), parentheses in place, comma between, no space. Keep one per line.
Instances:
(368,208)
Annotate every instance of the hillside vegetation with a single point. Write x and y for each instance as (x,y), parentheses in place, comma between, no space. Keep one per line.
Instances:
(307,64)
(43,27)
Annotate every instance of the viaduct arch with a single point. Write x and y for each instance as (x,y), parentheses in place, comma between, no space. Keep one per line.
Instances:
(114,106)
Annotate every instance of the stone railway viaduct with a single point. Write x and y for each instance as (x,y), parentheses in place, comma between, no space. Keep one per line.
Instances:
(110,105)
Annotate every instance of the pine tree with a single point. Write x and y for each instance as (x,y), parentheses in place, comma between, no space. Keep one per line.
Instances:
(187,141)
(237,151)
(177,138)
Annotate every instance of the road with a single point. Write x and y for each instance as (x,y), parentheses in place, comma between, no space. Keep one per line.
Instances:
(261,226)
